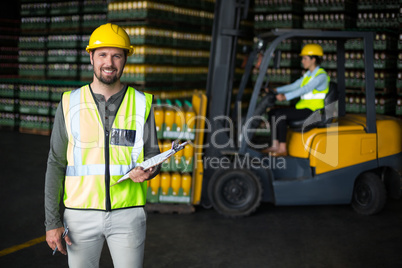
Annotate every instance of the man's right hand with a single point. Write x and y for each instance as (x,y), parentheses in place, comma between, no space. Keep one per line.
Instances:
(53,239)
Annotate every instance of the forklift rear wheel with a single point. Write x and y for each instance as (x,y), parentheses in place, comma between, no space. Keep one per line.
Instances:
(369,195)
(235,192)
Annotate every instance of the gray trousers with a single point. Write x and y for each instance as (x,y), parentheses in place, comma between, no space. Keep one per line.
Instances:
(123,229)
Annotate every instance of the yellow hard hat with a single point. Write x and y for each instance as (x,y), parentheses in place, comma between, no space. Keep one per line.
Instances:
(312,50)
(110,35)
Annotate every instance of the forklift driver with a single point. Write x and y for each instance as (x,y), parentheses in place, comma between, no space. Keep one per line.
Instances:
(311,88)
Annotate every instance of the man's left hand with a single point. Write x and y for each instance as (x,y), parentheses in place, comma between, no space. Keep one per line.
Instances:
(139,175)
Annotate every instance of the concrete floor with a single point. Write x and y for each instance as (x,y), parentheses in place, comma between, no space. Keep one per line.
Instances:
(308,236)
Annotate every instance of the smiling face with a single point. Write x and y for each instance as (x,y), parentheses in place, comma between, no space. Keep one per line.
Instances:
(108,64)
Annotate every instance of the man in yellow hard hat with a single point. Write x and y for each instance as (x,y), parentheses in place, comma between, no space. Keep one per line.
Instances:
(101,132)
(311,88)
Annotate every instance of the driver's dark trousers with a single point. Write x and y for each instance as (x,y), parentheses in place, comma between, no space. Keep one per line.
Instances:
(280,117)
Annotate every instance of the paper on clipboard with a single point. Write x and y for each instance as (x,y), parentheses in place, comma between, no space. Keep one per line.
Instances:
(156,160)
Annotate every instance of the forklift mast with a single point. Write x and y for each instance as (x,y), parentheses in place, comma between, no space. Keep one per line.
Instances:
(225,34)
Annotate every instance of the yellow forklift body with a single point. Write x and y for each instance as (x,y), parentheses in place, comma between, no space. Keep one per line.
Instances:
(346,143)
(389,132)
(300,142)
(333,151)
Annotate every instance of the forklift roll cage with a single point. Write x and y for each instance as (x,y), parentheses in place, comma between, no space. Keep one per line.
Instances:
(275,37)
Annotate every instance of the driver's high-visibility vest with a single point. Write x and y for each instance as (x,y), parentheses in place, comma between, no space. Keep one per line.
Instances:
(313,100)
(96,159)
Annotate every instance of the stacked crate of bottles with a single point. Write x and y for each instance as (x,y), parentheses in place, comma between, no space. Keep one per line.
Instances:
(381,18)
(179,118)
(171,39)
(38,102)
(53,38)
(71,24)
(175,121)
(270,14)
(8,71)
(34,107)
(171,42)
(8,104)
(329,14)
(62,59)
(33,103)
(32,42)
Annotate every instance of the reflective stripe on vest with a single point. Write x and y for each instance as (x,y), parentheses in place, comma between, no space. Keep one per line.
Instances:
(314,99)
(86,153)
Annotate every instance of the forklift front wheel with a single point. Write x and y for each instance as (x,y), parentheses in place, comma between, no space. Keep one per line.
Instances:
(235,192)
(369,195)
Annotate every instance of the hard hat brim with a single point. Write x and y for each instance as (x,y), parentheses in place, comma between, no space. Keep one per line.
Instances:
(129,49)
(307,54)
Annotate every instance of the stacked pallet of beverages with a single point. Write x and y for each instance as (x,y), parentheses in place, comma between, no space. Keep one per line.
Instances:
(269,14)
(381,18)
(330,14)
(171,42)
(179,120)
(9,32)
(32,42)
(52,56)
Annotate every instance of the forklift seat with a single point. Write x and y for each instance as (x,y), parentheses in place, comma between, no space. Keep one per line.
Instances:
(330,98)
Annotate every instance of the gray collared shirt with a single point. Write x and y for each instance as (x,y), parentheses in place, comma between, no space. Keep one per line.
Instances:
(57,159)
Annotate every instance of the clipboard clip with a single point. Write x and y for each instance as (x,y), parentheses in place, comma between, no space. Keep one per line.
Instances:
(156,160)
(177,147)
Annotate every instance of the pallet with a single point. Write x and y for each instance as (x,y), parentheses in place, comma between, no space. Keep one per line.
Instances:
(35,131)
(164,208)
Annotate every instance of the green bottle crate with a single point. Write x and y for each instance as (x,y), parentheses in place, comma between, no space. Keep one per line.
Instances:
(68,59)
(31,59)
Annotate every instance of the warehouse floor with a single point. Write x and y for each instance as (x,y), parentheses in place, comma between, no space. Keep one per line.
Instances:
(314,236)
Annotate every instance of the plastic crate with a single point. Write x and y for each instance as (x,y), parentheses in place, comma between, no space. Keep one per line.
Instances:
(6,90)
(7,105)
(269,21)
(31,59)
(32,70)
(33,91)
(68,59)
(288,6)
(332,6)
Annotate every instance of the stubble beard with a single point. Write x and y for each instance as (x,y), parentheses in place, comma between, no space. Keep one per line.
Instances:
(106,81)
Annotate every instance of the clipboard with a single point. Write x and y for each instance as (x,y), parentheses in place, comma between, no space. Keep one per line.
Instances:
(156,160)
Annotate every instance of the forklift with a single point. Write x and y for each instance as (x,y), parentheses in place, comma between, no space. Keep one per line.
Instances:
(333,157)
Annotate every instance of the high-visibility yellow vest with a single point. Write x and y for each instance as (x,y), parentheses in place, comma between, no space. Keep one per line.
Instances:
(96,158)
(313,100)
